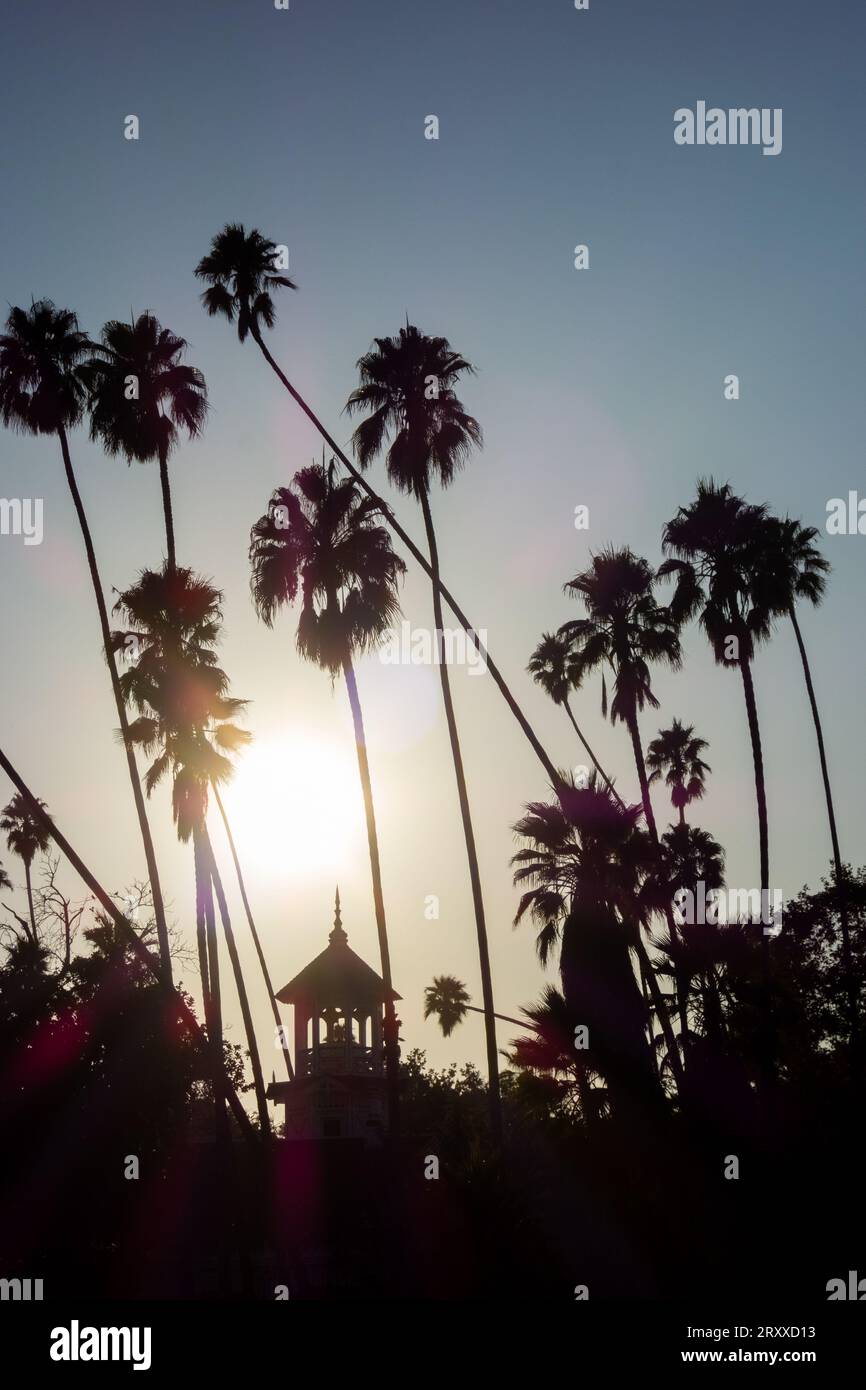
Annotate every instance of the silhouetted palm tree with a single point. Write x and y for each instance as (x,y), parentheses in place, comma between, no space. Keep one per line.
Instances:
(589,872)
(793,568)
(185,719)
(549,668)
(321,538)
(624,629)
(26,836)
(42,391)
(549,1048)
(415,418)
(691,856)
(241,277)
(449,1000)
(143,396)
(676,756)
(717,543)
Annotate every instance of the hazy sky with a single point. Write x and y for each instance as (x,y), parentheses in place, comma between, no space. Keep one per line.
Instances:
(601,387)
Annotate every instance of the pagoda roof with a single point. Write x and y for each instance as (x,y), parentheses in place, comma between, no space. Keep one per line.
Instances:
(337,977)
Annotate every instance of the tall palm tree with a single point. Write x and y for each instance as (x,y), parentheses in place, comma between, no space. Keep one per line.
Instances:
(716,542)
(415,418)
(185,719)
(448,1000)
(793,568)
(589,888)
(550,668)
(168,397)
(625,629)
(43,391)
(676,756)
(241,279)
(26,836)
(690,856)
(323,539)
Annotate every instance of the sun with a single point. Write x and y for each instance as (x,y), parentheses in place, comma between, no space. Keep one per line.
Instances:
(294,806)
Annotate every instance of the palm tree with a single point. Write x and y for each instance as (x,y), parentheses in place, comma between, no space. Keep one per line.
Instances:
(323,539)
(717,542)
(185,720)
(5,880)
(416,419)
(549,1048)
(26,836)
(676,756)
(241,278)
(168,397)
(42,391)
(549,667)
(590,889)
(794,568)
(690,856)
(448,1000)
(624,629)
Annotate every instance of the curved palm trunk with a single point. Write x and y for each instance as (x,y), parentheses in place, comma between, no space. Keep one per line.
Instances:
(681,985)
(147,841)
(166,507)
(853,1020)
(598,767)
(240,985)
(391,1026)
(30,901)
(767,1042)
(141,952)
(468,835)
(439,587)
(258,945)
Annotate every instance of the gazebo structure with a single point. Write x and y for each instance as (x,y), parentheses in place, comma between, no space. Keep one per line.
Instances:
(339,1086)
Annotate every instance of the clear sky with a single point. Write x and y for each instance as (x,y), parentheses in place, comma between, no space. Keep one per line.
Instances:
(601,387)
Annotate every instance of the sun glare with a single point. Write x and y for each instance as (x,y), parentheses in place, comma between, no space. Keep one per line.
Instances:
(294,806)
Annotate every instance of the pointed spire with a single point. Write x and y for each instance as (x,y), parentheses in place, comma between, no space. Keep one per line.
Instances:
(338,935)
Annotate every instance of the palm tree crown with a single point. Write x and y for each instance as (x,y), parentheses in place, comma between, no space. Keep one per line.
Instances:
(42,387)
(549,666)
(182,695)
(448,1000)
(625,628)
(407,386)
(322,538)
(241,277)
(676,756)
(25,832)
(170,396)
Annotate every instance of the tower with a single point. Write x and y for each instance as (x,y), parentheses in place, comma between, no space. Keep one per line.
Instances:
(339,1086)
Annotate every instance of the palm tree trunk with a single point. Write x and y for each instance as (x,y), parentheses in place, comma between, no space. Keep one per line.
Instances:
(767,1045)
(598,767)
(468,835)
(758,761)
(681,985)
(240,985)
(166,507)
(439,587)
(147,841)
(391,1027)
(258,945)
(212,998)
(682,816)
(30,902)
(184,1013)
(853,1020)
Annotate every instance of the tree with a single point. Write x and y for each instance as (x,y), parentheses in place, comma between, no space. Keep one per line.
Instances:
(185,721)
(589,889)
(676,756)
(550,668)
(414,416)
(43,391)
(323,539)
(793,568)
(241,277)
(26,836)
(142,397)
(716,542)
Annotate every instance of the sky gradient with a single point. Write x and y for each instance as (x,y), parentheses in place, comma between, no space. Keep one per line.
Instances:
(601,387)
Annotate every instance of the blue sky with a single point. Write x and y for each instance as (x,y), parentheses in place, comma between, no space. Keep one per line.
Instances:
(601,387)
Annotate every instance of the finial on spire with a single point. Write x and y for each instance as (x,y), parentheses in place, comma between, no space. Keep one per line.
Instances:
(337,934)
